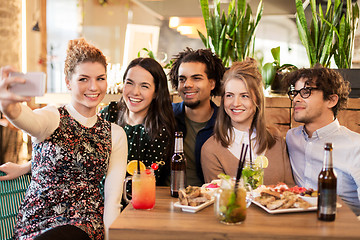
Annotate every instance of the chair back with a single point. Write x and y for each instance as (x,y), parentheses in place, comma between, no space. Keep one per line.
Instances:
(12,193)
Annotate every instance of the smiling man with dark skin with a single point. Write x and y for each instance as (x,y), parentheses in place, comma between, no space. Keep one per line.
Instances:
(196,75)
(318,94)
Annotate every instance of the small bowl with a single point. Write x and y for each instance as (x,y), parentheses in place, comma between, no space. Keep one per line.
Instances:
(312,200)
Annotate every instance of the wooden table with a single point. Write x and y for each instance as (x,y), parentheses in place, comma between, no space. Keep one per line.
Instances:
(168,222)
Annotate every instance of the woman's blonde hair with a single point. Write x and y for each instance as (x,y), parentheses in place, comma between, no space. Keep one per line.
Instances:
(248,72)
(80,51)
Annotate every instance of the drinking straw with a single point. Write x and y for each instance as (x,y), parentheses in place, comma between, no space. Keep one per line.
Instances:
(240,167)
(251,163)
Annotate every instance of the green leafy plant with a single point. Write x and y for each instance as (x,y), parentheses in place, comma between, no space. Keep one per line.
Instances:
(148,52)
(151,54)
(319,39)
(345,36)
(271,69)
(231,35)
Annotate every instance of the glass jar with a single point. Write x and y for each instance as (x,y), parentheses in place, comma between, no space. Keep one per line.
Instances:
(230,208)
(253,174)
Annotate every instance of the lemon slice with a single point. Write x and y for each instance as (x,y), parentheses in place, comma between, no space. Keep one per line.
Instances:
(132,166)
(261,161)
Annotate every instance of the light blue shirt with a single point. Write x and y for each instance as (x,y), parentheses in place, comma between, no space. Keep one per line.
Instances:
(307,155)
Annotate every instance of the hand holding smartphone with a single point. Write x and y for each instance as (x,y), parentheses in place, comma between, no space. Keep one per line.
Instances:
(34,85)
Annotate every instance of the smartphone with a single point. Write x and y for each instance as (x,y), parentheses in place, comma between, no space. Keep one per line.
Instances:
(34,85)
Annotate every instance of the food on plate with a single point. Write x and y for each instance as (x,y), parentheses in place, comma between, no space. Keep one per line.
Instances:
(275,204)
(193,196)
(212,185)
(270,192)
(281,197)
(309,193)
(265,200)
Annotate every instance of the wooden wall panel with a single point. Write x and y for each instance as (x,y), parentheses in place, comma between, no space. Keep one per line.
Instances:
(350,119)
(279,118)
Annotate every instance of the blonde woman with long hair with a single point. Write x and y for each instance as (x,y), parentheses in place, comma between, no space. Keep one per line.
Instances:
(241,119)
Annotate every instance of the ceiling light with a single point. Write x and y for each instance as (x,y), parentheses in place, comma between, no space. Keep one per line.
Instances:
(185,30)
(174,22)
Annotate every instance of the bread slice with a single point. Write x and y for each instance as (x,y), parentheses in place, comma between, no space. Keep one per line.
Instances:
(268,192)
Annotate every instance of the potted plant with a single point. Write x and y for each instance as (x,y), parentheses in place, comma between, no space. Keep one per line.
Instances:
(331,35)
(230,36)
(344,46)
(273,72)
(345,36)
(319,39)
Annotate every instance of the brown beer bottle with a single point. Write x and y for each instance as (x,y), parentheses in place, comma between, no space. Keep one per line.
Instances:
(326,209)
(178,166)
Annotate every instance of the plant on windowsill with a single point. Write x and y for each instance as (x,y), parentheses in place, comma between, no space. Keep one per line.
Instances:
(231,36)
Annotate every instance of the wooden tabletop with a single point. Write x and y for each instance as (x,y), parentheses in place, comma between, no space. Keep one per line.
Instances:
(167,222)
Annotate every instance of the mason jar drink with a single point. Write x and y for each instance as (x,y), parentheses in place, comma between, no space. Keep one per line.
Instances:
(143,189)
(253,174)
(230,208)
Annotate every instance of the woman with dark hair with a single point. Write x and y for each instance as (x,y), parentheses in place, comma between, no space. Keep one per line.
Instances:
(241,119)
(145,113)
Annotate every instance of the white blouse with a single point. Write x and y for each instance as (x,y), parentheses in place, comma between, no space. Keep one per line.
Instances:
(241,137)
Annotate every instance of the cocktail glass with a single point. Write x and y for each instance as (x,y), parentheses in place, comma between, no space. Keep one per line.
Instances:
(143,189)
(253,174)
(230,207)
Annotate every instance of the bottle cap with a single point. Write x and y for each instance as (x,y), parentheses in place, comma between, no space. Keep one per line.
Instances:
(178,134)
(328,146)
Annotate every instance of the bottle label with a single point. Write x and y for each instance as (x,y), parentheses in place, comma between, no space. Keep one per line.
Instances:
(327,201)
(177,180)
(179,145)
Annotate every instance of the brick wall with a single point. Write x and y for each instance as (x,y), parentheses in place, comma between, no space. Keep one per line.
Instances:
(10,33)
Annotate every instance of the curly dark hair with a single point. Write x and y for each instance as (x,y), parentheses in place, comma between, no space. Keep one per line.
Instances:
(214,66)
(329,81)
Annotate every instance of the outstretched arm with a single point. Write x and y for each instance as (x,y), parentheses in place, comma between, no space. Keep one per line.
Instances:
(13,170)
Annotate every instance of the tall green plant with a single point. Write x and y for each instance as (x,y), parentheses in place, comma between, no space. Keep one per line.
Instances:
(231,35)
(318,39)
(345,36)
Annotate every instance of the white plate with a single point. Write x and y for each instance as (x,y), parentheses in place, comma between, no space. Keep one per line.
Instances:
(288,210)
(311,200)
(194,209)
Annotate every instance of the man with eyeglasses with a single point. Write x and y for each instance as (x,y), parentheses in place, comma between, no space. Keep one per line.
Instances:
(317,95)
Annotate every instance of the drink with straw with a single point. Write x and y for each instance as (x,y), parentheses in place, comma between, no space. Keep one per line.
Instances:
(231,199)
(143,189)
(253,172)
(230,208)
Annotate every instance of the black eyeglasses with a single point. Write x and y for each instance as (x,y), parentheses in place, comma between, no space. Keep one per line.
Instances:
(304,92)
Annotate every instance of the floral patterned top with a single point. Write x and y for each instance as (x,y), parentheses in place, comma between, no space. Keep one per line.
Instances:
(67,168)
